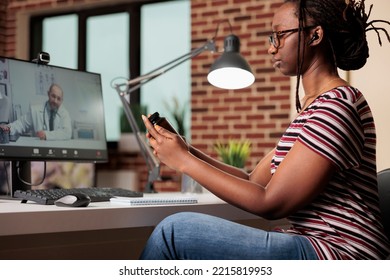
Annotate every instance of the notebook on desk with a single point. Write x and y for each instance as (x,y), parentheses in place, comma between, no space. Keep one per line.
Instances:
(135,201)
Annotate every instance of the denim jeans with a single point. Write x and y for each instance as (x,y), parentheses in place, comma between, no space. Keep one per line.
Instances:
(202,237)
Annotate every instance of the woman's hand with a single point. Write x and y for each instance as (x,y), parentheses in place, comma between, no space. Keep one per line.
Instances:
(169,147)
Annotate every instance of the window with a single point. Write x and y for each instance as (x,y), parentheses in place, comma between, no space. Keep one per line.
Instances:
(122,41)
(161,45)
(60,37)
(107,53)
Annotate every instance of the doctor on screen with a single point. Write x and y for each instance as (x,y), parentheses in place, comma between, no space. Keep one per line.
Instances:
(49,121)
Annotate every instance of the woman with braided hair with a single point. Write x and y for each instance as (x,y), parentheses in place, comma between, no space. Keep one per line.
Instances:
(322,173)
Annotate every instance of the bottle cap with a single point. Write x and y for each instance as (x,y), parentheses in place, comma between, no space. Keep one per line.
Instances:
(154,118)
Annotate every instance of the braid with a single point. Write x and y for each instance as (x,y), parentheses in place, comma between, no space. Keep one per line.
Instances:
(301,20)
(345,24)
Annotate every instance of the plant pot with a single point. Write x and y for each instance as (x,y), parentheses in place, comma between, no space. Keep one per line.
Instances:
(189,185)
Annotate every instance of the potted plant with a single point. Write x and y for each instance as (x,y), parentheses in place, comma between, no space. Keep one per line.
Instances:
(234,152)
(178,114)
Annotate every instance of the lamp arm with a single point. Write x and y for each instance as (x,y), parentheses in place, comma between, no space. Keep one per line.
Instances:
(143,79)
(152,162)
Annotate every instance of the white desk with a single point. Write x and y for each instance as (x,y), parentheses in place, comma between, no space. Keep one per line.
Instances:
(33,231)
(25,141)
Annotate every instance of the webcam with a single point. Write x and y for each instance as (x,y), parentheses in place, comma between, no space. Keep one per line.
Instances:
(42,58)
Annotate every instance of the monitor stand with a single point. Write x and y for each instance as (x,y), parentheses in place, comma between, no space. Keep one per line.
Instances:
(20,172)
(16,180)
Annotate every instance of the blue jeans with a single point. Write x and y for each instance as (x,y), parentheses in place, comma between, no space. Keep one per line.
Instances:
(195,236)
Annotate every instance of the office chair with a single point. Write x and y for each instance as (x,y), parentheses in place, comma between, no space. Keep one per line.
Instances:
(384,199)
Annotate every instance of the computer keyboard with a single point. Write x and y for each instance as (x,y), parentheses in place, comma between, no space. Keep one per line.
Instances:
(49,196)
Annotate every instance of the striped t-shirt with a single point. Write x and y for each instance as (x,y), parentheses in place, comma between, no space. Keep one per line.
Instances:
(343,222)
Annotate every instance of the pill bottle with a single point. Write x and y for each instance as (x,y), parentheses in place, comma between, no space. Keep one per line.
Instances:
(155,119)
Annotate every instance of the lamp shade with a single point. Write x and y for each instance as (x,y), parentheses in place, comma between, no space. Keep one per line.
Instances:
(231,70)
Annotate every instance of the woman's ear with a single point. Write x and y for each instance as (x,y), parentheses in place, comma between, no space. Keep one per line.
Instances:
(313,38)
(316,36)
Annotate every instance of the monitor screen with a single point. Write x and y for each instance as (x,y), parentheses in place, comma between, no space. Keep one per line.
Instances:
(50,113)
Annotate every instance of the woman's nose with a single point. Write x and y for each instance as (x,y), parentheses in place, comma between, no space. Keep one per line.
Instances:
(272,50)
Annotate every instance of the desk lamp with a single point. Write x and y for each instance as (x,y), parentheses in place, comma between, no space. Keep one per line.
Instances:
(229,71)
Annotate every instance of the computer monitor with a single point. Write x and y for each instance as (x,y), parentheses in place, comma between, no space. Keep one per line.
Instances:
(50,113)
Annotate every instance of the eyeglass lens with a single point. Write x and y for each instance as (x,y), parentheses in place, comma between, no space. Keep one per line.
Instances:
(274,40)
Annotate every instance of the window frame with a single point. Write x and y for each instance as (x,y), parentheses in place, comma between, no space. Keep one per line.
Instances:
(134,11)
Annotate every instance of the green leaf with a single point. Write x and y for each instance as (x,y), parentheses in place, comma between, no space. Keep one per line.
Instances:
(234,152)
(137,111)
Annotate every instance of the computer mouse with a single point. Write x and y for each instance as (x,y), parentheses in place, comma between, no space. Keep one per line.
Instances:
(73,200)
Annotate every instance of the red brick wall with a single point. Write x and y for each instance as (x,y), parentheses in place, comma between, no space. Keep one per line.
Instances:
(259,113)
(3,27)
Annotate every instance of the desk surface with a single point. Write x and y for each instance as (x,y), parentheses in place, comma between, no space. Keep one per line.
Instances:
(31,218)
(69,144)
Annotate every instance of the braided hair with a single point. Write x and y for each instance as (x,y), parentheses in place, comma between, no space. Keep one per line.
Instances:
(345,24)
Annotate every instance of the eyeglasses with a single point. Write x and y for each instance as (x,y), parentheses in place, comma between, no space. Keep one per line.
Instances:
(274,38)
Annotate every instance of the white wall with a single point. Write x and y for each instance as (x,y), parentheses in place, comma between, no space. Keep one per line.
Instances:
(373,80)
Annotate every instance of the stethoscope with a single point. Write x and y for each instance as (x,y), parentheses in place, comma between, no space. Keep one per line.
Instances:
(44,113)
